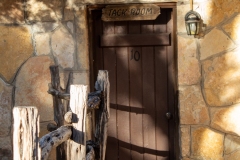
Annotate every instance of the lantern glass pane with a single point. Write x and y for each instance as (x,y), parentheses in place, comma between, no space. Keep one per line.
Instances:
(193,28)
(188,28)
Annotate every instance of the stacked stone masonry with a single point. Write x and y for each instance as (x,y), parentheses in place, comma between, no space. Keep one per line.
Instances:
(38,33)
(34,35)
(208,66)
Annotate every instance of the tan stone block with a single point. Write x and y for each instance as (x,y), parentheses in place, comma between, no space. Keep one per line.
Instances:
(220,9)
(231,144)
(193,109)
(68,14)
(95,1)
(214,42)
(42,27)
(5,108)
(226,119)
(79,2)
(82,38)
(233,29)
(44,10)
(214,12)
(233,156)
(15,48)
(79,77)
(11,11)
(185,140)
(32,86)
(42,44)
(63,48)
(181,12)
(70,27)
(117,1)
(220,79)
(188,65)
(207,144)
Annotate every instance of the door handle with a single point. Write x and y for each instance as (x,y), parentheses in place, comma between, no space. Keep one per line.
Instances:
(169,115)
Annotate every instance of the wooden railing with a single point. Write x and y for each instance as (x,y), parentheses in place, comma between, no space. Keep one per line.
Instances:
(69,132)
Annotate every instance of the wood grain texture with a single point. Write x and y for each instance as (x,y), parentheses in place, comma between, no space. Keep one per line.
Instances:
(112,143)
(26,133)
(102,84)
(130,12)
(53,139)
(76,148)
(142,74)
(121,40)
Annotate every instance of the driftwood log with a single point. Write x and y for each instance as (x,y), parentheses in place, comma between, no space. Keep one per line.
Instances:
(102,84)
(94,99)
(54,139)
(60,108)
(26,133)
(26,123)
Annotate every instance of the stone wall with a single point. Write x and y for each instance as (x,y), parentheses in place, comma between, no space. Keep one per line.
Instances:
(35,34)
(38,33)
(208,77)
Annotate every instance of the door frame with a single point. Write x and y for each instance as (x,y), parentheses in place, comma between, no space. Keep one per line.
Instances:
(174,124)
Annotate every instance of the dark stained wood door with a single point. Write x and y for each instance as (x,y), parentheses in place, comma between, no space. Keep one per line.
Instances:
(139,57)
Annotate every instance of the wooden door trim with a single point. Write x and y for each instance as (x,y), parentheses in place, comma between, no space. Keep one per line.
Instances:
(175,121)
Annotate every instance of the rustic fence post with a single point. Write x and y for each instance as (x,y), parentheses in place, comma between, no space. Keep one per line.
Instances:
(26,133)
(76,148)
(103,84)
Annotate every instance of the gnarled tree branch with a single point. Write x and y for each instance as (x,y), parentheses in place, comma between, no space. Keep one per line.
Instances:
(53,139)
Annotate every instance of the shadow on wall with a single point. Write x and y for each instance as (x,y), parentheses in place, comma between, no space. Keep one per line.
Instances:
(18,55)
(13,11)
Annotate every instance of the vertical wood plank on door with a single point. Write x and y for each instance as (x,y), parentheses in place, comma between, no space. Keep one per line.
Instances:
(112,142)
(149,117)
(123,104)
(109,59)
(161,71)
(161,80)
(135,69)
(123,95)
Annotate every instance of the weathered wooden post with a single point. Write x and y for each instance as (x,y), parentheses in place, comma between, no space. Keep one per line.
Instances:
(26,133)
(78,103)
(102,84)
(27,145)
(60,108)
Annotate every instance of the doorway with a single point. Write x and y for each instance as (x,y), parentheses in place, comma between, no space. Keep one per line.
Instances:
(140,57)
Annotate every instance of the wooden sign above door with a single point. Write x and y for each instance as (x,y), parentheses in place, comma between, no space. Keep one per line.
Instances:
(130,12)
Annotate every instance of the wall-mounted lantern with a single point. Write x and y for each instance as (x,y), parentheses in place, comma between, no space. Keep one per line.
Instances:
(192,21)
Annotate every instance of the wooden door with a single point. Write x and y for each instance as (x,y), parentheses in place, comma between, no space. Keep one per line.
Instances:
(139,57)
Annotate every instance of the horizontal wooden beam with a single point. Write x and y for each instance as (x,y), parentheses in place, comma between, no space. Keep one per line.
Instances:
(125,40)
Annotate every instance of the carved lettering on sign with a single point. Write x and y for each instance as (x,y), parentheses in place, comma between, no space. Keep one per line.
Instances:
(130,12)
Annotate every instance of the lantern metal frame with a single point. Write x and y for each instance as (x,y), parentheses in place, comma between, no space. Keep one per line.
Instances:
(192,22)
